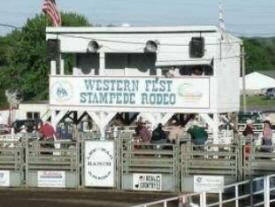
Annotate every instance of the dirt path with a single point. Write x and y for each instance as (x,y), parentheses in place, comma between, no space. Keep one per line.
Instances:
(35,198)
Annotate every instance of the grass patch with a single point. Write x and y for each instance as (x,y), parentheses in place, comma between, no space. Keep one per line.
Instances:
(259,103)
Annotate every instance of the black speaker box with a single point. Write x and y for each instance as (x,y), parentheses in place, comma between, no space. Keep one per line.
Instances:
(197,47)
(53,49)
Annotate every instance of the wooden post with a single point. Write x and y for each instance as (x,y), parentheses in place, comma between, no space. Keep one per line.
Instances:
(243,78)
(102,63)
(53,67)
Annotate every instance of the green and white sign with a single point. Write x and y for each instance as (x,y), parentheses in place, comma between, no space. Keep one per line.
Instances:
(130,92)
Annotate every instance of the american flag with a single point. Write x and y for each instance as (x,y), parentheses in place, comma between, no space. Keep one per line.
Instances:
(49,8)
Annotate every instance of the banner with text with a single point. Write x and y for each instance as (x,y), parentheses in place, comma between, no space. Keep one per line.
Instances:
(51,179)
(130,92)
(147,182)
(209,184)
(99,164)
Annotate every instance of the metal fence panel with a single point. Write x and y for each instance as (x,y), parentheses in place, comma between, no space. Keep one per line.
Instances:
(52,159)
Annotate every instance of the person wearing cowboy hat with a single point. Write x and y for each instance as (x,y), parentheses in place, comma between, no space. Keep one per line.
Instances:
(248,131)
(267,137)
(175,131)
(249,134)
(142,132)
(198,134)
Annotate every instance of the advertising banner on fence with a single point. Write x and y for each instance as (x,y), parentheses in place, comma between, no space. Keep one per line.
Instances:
(51,179)
(99,164)
(147,182)
(142,93)
(4,178)
(209,184)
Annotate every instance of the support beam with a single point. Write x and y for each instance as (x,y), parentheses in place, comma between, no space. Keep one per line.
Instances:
(62,71)
(156,118)
(102,119)
(208,120)
(57,117)
(216,128)
(102,63)
(213,124)
(53,67)
(166,117)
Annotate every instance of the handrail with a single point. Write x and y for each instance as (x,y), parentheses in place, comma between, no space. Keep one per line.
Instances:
(203,201)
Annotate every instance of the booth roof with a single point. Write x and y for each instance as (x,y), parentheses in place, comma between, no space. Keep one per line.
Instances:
(131,29)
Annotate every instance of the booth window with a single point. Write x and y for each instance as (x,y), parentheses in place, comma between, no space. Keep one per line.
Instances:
(141,61)
(198,70)
(33,115)
(88,62)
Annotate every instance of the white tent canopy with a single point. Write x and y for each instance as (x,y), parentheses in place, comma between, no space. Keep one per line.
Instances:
(257,81)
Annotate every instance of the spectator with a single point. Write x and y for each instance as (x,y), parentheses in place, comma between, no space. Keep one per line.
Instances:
(47,132)
(197,71)
(175,132)
(143,133)
(267,137)
(249,135)
(158,135)
(248,131)
(198,134)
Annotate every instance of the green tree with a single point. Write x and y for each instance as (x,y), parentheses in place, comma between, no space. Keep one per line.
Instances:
(260,54)
(23,58)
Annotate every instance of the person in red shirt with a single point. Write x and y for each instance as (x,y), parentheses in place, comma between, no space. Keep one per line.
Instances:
(249,135)
(47,132)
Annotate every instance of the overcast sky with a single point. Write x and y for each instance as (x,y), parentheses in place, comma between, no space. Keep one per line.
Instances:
(253,17)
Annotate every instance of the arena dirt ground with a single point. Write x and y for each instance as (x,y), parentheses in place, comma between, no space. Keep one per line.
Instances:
(99,198)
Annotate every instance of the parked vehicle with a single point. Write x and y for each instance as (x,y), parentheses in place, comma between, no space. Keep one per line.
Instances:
(262,92)
(270,93)
(4,129)
(256,117)
(30,125)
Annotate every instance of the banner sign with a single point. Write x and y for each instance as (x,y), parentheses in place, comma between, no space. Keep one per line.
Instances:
(147,182)
(99,164)
(209,184)
(141,93)
(51,179)
(4,178)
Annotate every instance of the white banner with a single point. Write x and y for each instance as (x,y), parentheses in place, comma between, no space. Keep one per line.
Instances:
(99,164)
(51,179)
(209,184)
(147,182)
(129,92)
(4,178)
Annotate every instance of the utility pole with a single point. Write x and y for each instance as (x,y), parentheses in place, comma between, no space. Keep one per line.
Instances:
(243,78)
(221,17)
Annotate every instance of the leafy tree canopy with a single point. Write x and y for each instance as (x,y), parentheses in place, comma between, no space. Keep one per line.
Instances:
(24,66)
(23,58)
(260,53)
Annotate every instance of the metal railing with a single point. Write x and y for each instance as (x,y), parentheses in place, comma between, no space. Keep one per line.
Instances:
(245,193)
(174,161)
(192,199)
(51,156)
(150,158)
(11,155)
(210,160)
(258,161)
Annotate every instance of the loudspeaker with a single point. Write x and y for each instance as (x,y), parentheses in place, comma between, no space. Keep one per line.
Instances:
(53,49)
(196,47)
